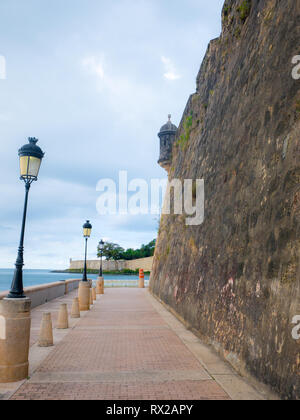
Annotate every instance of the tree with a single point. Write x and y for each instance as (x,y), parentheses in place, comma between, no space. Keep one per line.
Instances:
(116,252)
(112,251)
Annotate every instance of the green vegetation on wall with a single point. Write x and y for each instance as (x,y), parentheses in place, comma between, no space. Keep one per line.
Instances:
(244,10)
(187,127)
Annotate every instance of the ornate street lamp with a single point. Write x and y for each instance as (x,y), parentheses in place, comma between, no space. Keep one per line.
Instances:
(87,230)
(30,161)
(101,248)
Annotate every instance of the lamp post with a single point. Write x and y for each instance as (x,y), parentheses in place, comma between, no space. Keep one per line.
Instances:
(101,248)
(30,161)
(87,230)
(15,308)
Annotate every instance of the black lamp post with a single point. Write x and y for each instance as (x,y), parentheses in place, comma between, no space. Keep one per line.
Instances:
(87,230)
(30,161)
(101,248)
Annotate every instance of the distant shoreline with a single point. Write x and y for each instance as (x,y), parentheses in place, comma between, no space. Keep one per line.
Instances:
(59,271)
(124,272)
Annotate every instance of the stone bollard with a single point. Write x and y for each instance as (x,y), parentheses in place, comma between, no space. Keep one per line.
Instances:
(94,293)
(141,279)
(46,333)
(63,322)
(98,286)
(102,287)
(14,339)
(84,296)
(91,297)
(75,312)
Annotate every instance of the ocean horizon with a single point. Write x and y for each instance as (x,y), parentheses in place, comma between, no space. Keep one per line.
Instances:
(34,277)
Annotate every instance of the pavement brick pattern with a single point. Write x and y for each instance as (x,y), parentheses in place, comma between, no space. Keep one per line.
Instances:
(122,349)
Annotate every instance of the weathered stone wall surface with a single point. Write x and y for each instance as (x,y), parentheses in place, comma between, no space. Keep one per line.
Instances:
(235,279)
(144,263)
(95,265)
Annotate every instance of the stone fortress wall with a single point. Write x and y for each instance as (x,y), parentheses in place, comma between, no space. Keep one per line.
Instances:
(144,263)
(235,279)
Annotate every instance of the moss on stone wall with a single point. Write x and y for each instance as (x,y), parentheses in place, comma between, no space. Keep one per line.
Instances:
(185,136)
(244,10)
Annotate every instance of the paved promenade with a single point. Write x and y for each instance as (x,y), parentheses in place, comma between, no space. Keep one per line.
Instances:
(127,347)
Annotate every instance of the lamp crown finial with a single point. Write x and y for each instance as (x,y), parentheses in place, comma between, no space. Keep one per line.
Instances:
(33,140)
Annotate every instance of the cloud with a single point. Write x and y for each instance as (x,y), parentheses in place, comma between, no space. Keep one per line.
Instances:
(119,89)
(5,227)
(94,66)
(4,117)
(95,94)
(170,71)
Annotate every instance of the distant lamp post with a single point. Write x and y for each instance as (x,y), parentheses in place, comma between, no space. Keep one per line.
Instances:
(87,230)
(30,161)
(101,248)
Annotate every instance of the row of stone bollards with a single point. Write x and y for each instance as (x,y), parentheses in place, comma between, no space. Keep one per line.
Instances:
(15,321)
(87,294)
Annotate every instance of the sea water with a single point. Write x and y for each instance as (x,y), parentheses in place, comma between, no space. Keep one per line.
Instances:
(37,277)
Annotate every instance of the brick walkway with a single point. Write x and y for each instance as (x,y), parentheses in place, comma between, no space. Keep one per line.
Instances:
(123,348)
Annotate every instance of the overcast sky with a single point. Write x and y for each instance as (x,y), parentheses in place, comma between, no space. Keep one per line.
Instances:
(94,80)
